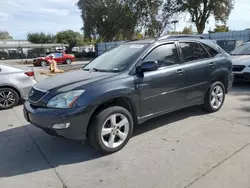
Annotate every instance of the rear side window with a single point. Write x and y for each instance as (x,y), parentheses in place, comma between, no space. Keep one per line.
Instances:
(193,51)
(210,50)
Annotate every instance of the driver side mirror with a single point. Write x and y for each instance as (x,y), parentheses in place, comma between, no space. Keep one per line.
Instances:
(147,66)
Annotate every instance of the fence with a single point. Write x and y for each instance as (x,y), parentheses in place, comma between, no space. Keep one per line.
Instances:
(227,40)
(100,48)
(243,36)
(16,50)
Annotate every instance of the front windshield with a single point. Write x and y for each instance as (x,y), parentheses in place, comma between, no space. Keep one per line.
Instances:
(243,49)
(49,55)
(116,59)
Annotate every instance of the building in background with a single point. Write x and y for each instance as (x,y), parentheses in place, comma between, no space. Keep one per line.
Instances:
(23,49)
(14,42)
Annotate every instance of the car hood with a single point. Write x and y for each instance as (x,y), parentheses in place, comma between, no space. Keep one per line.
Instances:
(241,59)
(71,80)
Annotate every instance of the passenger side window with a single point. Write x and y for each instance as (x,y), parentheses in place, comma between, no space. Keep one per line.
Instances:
(165,55)
(210,50)
(57,55)
(193,51)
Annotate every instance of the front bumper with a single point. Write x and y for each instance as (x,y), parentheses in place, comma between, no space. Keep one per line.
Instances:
(45,118)
(244,76)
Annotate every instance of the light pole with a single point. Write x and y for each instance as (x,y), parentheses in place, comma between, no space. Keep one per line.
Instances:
(175,22)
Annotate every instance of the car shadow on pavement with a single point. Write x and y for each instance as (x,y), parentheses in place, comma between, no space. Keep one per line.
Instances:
(27,149)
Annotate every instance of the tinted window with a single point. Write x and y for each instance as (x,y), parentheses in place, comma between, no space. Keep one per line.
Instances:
(193,51)
(210,50)
(166,55)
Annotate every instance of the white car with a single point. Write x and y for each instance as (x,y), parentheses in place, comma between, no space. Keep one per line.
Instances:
(241,62)
(15,84)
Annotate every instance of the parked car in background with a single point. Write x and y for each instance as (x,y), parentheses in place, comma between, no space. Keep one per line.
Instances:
(84,51)
(4,54)
(15,84)
(60,58)
(241,62)
(128,85)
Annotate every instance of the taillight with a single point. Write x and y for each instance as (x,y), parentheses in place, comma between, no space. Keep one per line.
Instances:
(30,73)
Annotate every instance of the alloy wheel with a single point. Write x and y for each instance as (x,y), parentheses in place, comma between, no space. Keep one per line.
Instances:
(115,130)
(7,99)
(43,63)
(217,96)
(68,61)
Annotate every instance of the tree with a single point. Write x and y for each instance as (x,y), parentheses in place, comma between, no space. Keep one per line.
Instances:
(188,30)
(221,28)
(4,35)
(69,37)
(201,10)
(40,38)
(112,19)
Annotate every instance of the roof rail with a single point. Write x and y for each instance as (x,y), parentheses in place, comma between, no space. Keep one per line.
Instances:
(179,36)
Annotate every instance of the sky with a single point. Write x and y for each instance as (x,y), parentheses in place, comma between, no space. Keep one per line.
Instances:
(19,17)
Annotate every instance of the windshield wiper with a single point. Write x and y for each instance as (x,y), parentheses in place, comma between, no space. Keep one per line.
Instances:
(95,69)
(239,54)
(102,70)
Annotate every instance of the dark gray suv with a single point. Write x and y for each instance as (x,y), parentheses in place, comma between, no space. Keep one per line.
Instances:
(129,85)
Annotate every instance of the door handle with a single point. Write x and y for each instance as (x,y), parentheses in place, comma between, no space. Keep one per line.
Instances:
(180,72)
(141,85)
(211,65)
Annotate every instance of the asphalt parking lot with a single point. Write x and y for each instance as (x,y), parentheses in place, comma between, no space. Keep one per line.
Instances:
(188,148)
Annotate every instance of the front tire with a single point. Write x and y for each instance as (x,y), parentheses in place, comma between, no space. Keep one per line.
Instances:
(68,61)
(215,97)
(110,129)
(9,98)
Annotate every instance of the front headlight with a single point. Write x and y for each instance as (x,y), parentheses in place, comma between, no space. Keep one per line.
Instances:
(65,100)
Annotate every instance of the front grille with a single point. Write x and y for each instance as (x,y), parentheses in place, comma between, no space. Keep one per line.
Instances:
(35,95)
(238,68)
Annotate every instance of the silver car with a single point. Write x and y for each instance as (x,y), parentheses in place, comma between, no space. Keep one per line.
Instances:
(15,85)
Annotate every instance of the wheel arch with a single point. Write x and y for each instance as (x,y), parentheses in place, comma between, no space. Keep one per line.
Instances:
(20,94)
(222,76)
(122,101)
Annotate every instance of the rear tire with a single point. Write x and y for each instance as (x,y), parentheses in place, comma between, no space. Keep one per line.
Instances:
(43,63)
(9,98)
(110,129)
(215,97)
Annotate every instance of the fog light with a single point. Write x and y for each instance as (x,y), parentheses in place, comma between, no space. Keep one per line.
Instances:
(61,126)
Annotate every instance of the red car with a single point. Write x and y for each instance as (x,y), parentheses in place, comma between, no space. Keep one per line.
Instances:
(60,58)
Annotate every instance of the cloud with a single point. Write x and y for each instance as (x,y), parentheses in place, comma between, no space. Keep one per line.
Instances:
(63,1)
(3,17)
(50,16)
(60,12)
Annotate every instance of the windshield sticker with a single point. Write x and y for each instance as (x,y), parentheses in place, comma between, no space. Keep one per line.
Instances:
(136,46)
